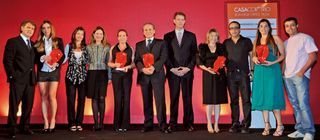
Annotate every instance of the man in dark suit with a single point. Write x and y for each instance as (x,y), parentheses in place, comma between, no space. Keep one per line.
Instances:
(18,60)
(182,49)
(152,78)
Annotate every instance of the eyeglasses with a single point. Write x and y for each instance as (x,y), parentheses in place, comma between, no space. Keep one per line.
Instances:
(234,28)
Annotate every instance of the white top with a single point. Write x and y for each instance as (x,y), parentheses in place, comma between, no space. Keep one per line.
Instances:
(77,54)
(48,49)
(297,48)
(66,51)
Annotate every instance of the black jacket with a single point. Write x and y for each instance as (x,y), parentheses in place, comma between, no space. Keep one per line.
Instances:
(19,61)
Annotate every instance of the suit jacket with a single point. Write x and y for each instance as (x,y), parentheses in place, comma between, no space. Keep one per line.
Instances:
(19,61)
(39,54)
(183,55)
(159,50)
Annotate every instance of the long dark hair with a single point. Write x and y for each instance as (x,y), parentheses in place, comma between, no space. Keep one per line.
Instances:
(73,38)
(270,39)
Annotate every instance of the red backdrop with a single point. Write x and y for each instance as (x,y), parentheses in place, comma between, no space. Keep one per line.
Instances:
(113,15)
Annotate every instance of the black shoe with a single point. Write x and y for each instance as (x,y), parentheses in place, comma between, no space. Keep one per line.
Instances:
(101,126)
(190,128)
(122,130)
(96,127)
(12,133)
(44,131)
(12,136)
(146,129)
(172,128)
(165,130)
(234,128)
(245,130)
(27,132)
(52,130)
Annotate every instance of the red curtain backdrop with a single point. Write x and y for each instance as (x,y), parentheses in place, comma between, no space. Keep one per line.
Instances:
(131,15)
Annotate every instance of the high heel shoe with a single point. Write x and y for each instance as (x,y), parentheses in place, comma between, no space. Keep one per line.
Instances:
(279,131)
(266,130)
(44,130)
(96,127)
(52,130)
(210,129)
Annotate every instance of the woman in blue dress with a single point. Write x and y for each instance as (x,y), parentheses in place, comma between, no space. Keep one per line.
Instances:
(267,88)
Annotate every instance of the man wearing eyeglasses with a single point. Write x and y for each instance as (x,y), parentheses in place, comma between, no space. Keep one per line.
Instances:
(238,49)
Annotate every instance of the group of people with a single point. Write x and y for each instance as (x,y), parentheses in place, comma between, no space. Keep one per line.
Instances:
(92,66)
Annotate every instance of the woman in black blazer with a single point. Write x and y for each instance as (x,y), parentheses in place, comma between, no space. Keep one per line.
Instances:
(48,72)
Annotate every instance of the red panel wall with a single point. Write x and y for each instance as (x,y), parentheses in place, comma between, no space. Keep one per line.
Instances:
(113,15)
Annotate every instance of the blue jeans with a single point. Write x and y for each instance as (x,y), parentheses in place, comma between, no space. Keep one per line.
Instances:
(298,94)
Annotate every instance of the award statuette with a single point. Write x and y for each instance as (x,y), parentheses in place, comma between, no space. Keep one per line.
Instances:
(148,60)
(55,55)
(219,63)
(262,53)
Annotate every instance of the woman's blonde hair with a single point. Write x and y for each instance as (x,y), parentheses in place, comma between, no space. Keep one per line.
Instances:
(213,30)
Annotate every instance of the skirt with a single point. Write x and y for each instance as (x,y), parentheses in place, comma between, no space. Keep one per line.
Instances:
(97,83)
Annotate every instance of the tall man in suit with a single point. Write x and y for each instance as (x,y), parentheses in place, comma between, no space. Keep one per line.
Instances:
(18,60)
(182,49)
(152,78)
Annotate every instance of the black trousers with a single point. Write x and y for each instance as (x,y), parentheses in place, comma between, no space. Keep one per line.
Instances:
(239,81)
(186,83)
(121,83)
(155,87)
(20,93)
(75,118)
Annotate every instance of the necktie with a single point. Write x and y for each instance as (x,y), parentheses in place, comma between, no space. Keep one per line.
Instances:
(29,44)
(179,37)
(148,44)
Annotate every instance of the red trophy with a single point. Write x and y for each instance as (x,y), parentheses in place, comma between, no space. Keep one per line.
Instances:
(262,53)
(219,63)
(121,57)
(148,60)
(55,55)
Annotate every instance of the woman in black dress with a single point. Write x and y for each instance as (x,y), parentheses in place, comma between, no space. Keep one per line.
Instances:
(214,83)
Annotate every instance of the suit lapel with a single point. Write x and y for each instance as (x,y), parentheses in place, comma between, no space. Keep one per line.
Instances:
(183,38)
(23,44)
(175,39)
(144,47)
(152,45)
